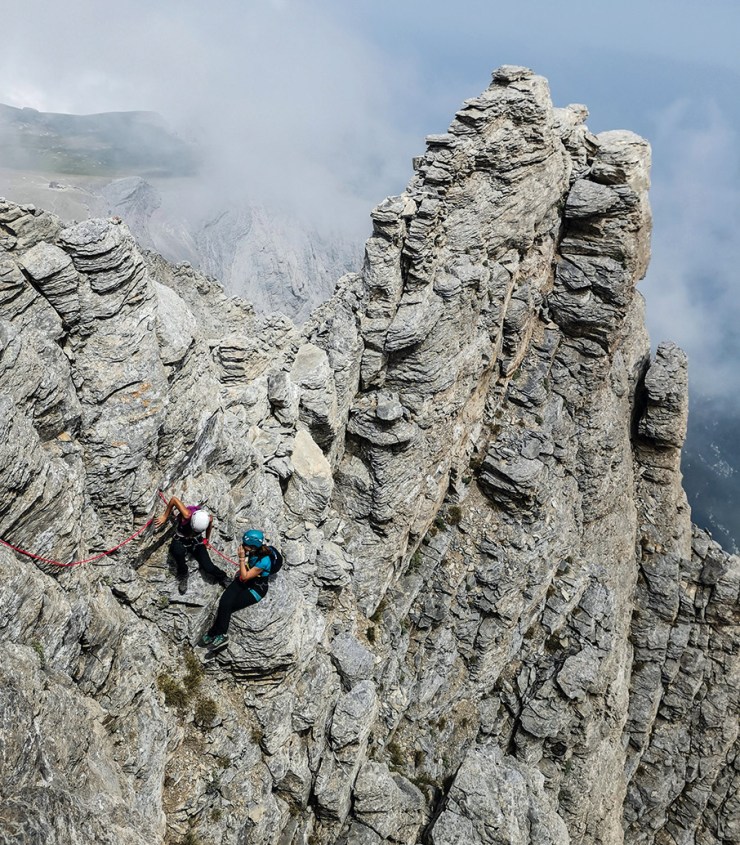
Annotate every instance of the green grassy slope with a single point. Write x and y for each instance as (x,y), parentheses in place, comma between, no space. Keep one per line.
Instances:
(110,144)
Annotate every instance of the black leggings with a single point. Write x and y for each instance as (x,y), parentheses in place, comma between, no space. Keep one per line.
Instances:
(200,553)
(235,597)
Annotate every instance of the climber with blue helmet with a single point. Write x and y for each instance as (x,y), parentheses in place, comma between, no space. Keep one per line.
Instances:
(256,561)
(192,522)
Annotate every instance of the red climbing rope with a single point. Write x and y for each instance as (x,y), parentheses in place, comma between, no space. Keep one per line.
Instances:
(210,546)
(87,559)
(108,551)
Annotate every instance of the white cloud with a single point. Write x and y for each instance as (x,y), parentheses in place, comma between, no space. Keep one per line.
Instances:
(22,94)
(319,106)
(693,286)
(296,109)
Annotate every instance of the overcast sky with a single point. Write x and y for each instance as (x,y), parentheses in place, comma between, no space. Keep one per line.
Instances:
(320,105)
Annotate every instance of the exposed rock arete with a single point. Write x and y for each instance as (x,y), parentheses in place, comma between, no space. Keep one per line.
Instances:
(495,623)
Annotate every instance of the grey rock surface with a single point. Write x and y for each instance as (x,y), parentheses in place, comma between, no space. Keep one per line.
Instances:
(495,622)
(265,254)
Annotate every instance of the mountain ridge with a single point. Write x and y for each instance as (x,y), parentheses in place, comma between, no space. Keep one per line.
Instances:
(495,623)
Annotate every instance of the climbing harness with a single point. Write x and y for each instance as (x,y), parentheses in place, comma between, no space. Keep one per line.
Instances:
(207,543)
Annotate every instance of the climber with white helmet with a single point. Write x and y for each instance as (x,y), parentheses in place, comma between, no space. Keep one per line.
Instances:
(192,521)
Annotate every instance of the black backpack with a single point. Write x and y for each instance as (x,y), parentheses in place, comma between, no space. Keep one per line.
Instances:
(276,560)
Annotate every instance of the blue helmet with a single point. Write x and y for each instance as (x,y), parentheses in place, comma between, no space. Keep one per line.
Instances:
(253,538)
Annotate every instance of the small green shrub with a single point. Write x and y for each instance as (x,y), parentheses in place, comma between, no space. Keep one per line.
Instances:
(190,838)
(552,644)
(454,515)
(423,779)
(163,602)
(216,815)
(395,752)
(39,649)
(174,694)
(206,711)
(191,683)
(416,560)
(194,672)
(379,610)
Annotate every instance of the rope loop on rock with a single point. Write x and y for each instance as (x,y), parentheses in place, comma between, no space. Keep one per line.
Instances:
(107,552)
(85,560)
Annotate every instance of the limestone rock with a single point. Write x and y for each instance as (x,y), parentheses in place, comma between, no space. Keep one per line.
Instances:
(332,567)
(354,661)
(666,383)
(495,622)
(494,799)
(275,635)
(312,374)
(354,715)
(391,806)
(310,487)
(51,268)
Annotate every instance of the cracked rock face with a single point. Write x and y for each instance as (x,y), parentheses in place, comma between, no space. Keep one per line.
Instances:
(495,622)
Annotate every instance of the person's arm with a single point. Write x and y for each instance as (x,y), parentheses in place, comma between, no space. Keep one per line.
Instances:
(242,564)
(244,573)
(174,502)
(209,529)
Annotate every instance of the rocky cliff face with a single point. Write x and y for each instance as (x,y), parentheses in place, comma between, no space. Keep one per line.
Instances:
(495,623)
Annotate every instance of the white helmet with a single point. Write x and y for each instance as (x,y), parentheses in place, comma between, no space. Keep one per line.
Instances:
(199,521)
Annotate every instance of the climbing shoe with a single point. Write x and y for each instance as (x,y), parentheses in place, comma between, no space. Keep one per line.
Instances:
(182,586)
(219,641)
(206,640)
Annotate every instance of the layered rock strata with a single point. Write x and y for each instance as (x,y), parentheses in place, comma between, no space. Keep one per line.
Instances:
(495,623)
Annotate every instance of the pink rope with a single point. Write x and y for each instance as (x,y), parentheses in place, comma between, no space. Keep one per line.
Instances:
(213,548)
(79,562)
(108,551)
